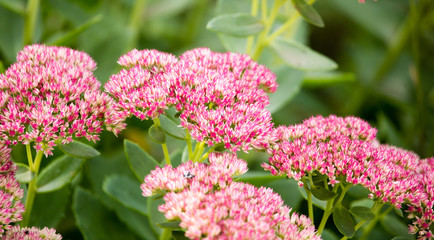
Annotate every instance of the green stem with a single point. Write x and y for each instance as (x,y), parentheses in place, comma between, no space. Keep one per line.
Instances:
(254,13)
(167,233)
(190,149)
(205,156)
(31,192)
(30,21)
(330,207)
(309,199)
(29,155)
(198,150)
(163,145)
(373,223)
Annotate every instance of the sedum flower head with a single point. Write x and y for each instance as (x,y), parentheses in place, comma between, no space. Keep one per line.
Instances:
(33,233)
(50,94)
(210,205)
(11,207)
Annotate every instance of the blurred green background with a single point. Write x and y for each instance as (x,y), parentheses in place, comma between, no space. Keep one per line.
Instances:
(384,50)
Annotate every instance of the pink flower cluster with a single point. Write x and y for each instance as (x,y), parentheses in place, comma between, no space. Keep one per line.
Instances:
(346,149)
(33,233)
(210,205)
(11,207)
(221,97)
(50,94)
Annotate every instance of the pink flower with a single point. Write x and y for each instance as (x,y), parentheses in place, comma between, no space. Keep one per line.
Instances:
(11,207)
(51,94)
(33,233)
(210,205)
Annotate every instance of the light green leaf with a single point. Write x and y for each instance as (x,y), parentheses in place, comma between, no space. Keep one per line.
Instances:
(363,213)
(126,191)
(171,128)
(157,134)
(308,12)
(23,173)
(238,24)
(79,150)
(301,57)
(343,221)
(58,173)
(141,163)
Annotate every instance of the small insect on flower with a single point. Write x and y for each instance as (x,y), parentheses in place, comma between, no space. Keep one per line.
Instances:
(188,175)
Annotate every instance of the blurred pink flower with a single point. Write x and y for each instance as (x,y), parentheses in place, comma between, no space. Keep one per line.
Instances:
(51,94)
(33,233)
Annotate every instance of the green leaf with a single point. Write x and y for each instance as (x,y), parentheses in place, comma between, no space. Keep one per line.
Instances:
(343,221)
(308,12)
(58,173)
(12,42)
(136,222)
(319,203)
(238,24)
(126,191)
(258,178)
(176,158)
(14,6)
(319,79)
(322,194)
(398,212)
(23,173)
(65,38)
(301,57)
(171,128)
(94,220)
(170,225)
(157,134)
(394,226)
(179,235)
(287,189)
(155,216)
(358,191)
(363,213)
(141,163)
(319,178)
(49,208)
(290,81)
(402,238)
(2,68)
(79,150)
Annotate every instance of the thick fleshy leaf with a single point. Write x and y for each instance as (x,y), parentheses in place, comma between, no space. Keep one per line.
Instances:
(49,208)
(141,163)
(170,225)
(126,191)
(394,226)
(238,24)
(171,128)
(94,220)
(136,222)
(301,57)
(319,203)
(343,221)
(176,158)
(23,173)
(157,134)
(398,212)
(308,12)
(258,178)
(402,238)
(58,173)
(322,194)
(79,150)
(155,216)
(363,213)
(179,235)
(285,186)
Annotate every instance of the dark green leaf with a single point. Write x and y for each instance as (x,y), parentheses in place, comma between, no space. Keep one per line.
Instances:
(290,81)
(308,12)
(322,194)
(94,220)
(179,235)
(58,173)
(23,173)
(79,150)
(10,43)
(363,213)
(126,191)
(343,221)
(176,158)
(398,212)
(301,57)
(319,203)
(170,225)
(136,222)
(319,178)
(155,216)
(258,178)
(358,191)
(66,38)
(327,234)
(157,134)
(394,226)
(49,208)
(402,238)
(171,128)
(238,25)
(141,163)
